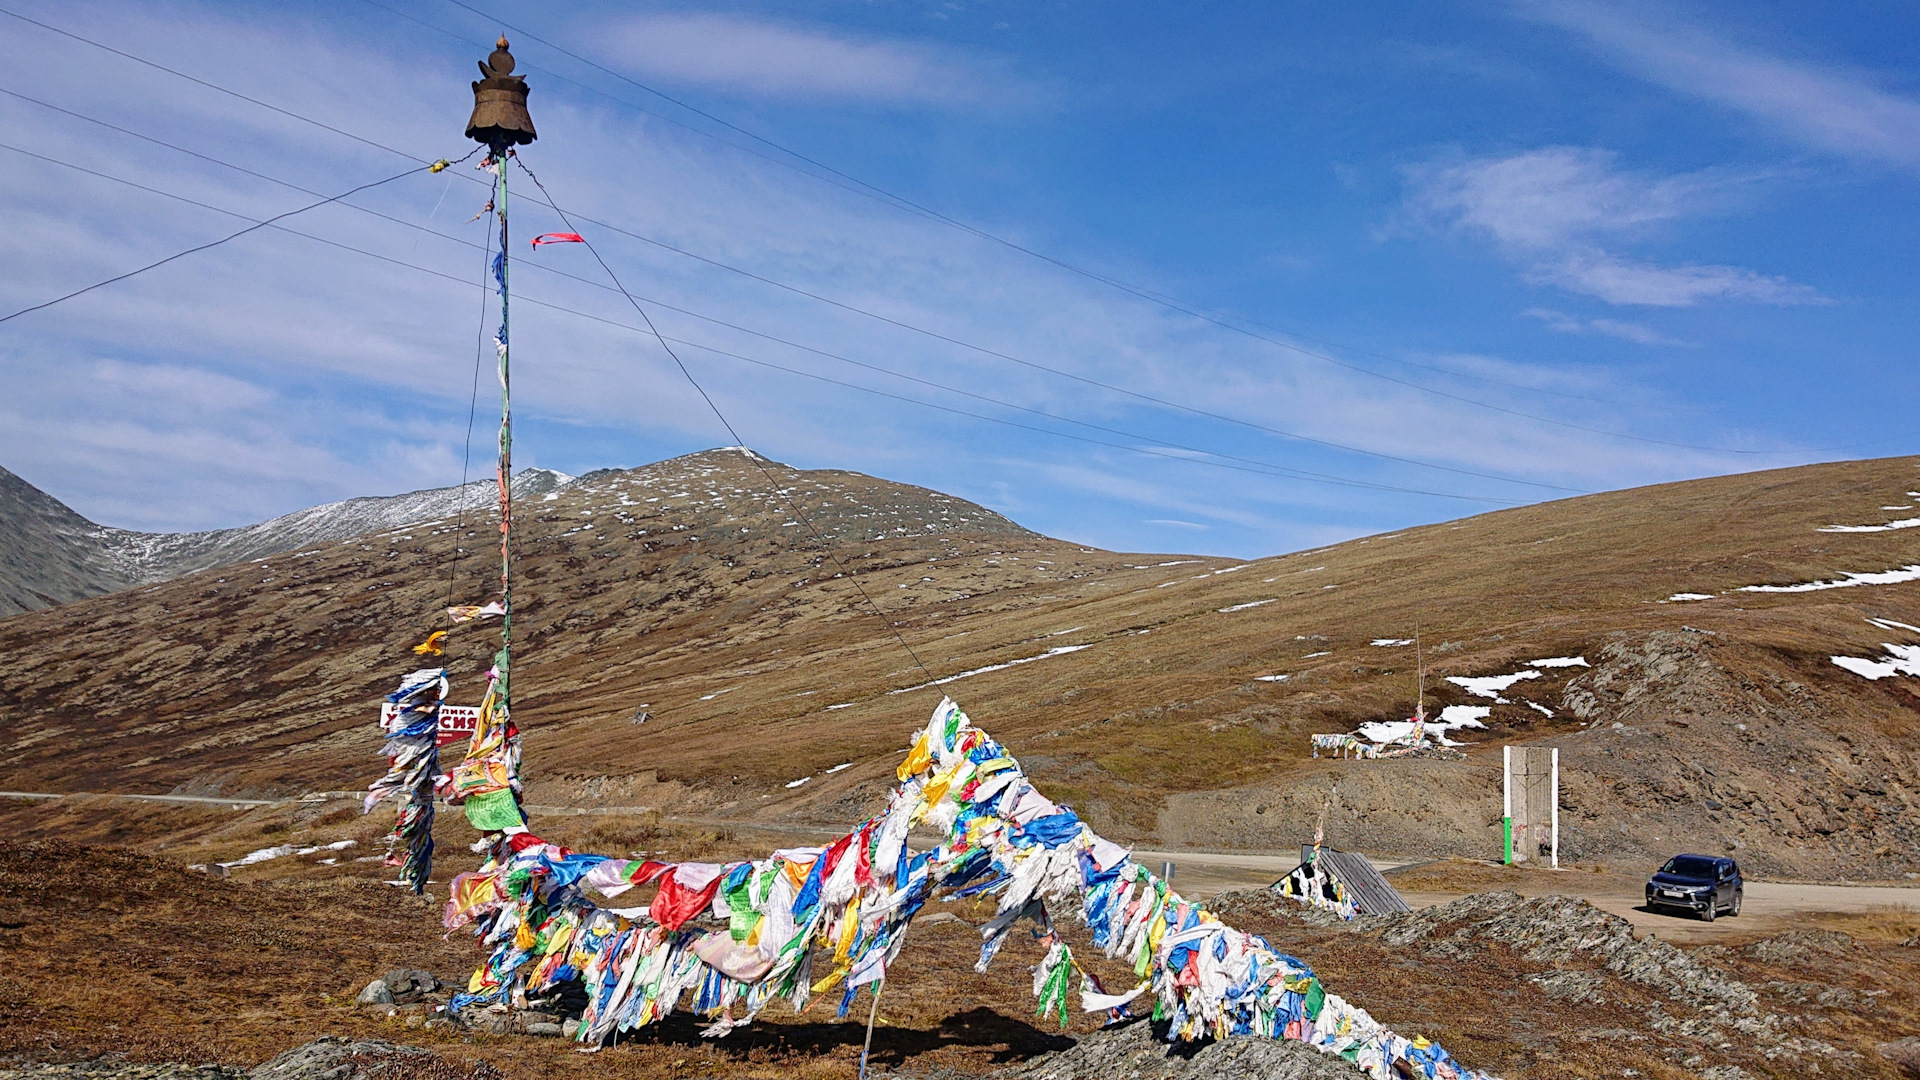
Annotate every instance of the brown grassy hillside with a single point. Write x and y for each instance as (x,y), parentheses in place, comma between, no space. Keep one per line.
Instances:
(1716,724)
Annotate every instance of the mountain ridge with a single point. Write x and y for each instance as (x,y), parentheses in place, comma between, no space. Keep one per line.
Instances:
(50,554)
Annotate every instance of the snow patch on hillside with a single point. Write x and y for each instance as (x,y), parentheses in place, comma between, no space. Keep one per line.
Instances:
(1451,718)
(1900,660)
(1490,686)
(1910,572)
(1058,650)
(1903,523)
(1248,604)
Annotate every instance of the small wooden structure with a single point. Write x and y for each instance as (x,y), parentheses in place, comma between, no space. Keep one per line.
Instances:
(1342,882)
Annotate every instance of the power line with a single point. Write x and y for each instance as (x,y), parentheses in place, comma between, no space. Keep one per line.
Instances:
(1154,399)
(773,486)
(698,315)
(1268,470)
(897,201)
(1264,468)
(936,335)
(209,85)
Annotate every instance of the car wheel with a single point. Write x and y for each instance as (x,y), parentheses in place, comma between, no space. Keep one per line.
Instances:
(1710,911)
(1735,909)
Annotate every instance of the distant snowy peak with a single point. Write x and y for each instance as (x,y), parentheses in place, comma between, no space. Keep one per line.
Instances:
(51,555)
(736,487)
(144,558)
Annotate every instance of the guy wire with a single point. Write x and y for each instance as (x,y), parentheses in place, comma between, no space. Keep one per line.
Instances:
(473,401)
(211,243)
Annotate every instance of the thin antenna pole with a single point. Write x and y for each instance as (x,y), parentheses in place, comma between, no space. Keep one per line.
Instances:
(1420,691)
(1320,826)
(1420,665)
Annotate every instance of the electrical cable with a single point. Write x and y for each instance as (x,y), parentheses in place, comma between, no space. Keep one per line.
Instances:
(1041,367)
(1270,470)
(660,116)
(772,485)
(1264,467)
(209,85)
(1164,402)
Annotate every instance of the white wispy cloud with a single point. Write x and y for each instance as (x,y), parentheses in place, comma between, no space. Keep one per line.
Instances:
(1547,198)
(1826,107)
(1624,281)
(1639,334)
(763,58)
(276,372)
(1556,210)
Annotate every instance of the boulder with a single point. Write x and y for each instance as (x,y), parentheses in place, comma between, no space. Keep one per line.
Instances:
(376,993)
(410,984)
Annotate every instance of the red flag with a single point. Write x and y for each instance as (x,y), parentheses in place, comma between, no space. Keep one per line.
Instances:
(559,238)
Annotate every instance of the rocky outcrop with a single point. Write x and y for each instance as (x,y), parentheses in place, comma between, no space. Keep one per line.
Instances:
(1561,932)
(1139,1051)
(336,1057)
(1701,744)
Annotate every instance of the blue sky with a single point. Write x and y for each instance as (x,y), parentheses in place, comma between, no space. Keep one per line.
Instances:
(1491,252)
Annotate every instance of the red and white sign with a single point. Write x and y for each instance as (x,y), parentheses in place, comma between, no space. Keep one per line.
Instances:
(457,722)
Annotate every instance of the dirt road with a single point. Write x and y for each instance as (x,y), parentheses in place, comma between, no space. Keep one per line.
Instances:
(1770,906)
(185,800)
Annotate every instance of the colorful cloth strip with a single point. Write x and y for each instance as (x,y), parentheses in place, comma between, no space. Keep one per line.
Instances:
(744,935)
(413,764)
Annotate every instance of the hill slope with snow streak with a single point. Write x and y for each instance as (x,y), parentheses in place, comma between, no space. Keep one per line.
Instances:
(1169,699)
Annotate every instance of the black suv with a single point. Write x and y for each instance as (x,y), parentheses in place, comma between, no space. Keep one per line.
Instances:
(1706,884)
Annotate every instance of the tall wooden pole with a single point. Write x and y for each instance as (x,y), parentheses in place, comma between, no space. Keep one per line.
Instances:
(503,660)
